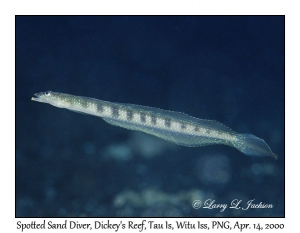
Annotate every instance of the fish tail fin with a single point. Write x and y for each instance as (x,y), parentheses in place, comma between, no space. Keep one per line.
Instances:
(253,146)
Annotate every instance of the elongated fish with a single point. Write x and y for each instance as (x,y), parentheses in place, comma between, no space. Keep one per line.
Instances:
(174,127)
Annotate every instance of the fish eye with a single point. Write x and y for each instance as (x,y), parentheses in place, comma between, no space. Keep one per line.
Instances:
(47,93)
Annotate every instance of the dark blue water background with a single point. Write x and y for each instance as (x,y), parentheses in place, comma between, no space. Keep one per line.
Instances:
(229,69)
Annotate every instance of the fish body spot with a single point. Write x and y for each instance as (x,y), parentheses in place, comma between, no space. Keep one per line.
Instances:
(100,107)
(183,126)
(115,112)
(168,122)
(129,115)
(143,117)
(153,119)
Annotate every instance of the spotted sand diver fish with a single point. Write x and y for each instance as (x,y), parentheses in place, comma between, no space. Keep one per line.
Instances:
(174,127)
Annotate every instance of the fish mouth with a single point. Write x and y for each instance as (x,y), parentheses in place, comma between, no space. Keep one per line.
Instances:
(36,98)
